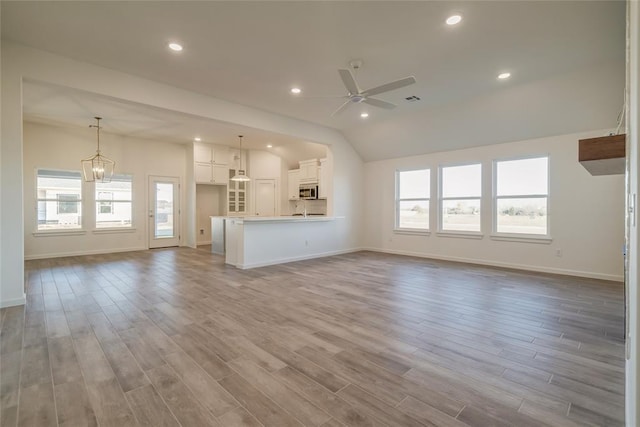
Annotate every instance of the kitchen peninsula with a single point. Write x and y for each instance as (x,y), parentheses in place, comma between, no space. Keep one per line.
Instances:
(255,241)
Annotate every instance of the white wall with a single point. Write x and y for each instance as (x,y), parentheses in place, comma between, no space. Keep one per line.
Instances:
(62,148)
(264,165)
(21,62)
(586,213)
(210,201)
(632,392)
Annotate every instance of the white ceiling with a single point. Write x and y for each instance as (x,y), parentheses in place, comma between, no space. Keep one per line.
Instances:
(55,105)
(251,53)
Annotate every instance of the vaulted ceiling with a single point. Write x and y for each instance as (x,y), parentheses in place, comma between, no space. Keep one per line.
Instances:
(566,61)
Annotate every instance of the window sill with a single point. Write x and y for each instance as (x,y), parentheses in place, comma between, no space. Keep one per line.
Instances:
(460,235)
(52,233)
(541,240)
(113,230)
(411,231)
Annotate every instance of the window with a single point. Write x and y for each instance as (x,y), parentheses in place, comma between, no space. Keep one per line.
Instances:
(114,203)
(521,196)
(460,192)
(105,204)
(412,199)
(59,200)
(68,203)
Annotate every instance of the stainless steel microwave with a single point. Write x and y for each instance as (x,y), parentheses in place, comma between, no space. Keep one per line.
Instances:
(308,192)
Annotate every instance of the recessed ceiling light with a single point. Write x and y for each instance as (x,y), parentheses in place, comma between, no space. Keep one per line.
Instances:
(503,76)
(296,90)
(454,19)
(364,115)
(269,146)
(197,139)
(175,47)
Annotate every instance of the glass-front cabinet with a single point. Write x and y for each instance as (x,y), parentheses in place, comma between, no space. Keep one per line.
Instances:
(237,195)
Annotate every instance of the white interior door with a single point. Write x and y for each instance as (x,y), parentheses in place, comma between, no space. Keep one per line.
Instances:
(265,197)
(164,212)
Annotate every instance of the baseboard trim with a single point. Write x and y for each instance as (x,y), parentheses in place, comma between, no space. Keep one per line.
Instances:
(524,267)
(204,242)
(81,253)
(298,258)
(13,302)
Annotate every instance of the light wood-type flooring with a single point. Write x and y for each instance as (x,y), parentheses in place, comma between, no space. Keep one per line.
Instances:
(174,337)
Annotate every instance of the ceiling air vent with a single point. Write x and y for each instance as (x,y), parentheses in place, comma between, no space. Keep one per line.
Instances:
(412,98)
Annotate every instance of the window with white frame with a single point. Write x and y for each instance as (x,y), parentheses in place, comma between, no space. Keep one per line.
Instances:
(59,200)
(460,194)
(413,189)
(114,202)
(521,196)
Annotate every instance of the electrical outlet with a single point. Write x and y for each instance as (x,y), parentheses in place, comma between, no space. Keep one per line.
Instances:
(559,253)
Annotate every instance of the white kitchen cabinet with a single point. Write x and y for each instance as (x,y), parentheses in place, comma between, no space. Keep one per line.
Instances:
(207,153)
(210,164)
(202,153)
(323,179)
(220,174)
(237,195)
(207,173)
(309,171)
(294,184)
(202,172)
(220,155)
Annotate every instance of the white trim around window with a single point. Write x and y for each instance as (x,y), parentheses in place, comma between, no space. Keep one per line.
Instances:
(51,189)
(421,198)
(471,202)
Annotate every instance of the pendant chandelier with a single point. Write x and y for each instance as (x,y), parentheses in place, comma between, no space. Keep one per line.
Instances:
(98,168)
(240,176)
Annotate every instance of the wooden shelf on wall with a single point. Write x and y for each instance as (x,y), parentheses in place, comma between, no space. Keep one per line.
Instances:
(604,155)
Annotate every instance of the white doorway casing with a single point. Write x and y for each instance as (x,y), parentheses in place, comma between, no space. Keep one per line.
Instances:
(164,212)
(265,197)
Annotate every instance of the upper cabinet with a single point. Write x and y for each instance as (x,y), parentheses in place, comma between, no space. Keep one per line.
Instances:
(202,153)
(210,164)
(208,153)
(294,184)
(308,171)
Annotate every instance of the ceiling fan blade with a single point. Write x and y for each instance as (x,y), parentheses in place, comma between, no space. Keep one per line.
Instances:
(390,86)
(380,103)
(323,97)
(349,82)
(341,108)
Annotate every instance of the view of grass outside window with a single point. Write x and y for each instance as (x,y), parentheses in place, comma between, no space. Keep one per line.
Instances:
(522,194)
(59,200)
(412,199)
(113,203)
(460,189)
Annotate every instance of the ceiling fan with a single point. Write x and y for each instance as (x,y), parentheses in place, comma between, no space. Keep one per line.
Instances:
(356,96)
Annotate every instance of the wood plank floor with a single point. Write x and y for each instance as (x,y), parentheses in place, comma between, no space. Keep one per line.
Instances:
(174,337)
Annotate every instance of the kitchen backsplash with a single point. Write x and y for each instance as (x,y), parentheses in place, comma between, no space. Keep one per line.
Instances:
(313,206)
